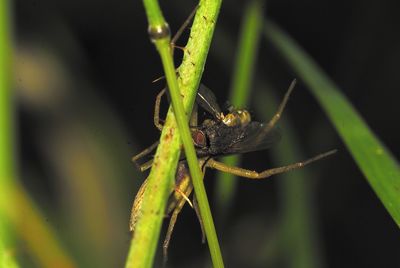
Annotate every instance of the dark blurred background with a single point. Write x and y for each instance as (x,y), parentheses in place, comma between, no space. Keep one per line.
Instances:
(85,106)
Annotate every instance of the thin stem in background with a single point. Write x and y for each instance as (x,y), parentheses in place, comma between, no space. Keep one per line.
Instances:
(375,161)
(161,178)
(240,91)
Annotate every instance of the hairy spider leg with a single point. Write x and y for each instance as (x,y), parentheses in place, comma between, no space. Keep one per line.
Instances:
(142,154)
(275,118)
(137,204)
(157,121)
(197,210)
(266,173)
(180,198)
(146,165)
(183,27)
(172,221)
(159,126)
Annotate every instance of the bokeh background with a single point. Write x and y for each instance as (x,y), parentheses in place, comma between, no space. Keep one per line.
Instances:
(83,73)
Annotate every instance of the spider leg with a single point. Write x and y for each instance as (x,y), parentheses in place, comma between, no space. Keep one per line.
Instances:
(142,154)
(157,110)
(183,27)
(137,204)
(266,173)
(176,37)
(172,223)
(186,189)
(197,210)
(281,107)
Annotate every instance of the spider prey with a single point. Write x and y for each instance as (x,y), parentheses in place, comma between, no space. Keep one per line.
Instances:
(222,134)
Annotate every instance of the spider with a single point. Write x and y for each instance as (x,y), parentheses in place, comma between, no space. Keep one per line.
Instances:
(222,134)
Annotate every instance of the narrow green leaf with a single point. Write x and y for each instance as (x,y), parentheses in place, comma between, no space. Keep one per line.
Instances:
(372,157)
(7,156)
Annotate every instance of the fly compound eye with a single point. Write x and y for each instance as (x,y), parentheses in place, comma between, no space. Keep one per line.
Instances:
(199,138)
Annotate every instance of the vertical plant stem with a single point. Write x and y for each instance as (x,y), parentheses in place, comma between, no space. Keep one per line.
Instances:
(7,156)
(161,178)
(240,90)
(195,173)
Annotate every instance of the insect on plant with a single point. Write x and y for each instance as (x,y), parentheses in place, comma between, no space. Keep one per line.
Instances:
(220,134)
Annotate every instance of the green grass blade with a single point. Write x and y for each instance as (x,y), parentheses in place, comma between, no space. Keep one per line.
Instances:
(240,91)
(7,155)
(372,157)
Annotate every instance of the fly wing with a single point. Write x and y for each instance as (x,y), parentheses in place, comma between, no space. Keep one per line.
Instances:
(207,100)
(254,138)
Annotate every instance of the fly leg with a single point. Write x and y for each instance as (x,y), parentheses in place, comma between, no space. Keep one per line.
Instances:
(266,173)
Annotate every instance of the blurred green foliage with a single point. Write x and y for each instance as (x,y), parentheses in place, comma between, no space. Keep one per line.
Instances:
(81,109)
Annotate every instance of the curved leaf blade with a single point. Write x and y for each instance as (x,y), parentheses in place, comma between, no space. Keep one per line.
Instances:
(375,161)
